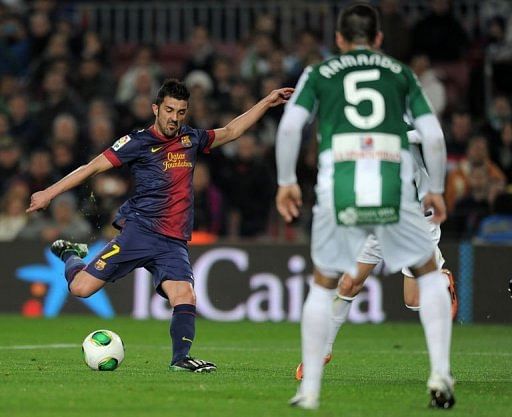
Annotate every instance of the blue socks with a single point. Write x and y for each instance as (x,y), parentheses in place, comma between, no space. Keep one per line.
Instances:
(74,264)
(183,329)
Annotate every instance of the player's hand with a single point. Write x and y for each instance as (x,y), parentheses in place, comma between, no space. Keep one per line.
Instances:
(289,201)
(435,202)
(277,97)
(39,201)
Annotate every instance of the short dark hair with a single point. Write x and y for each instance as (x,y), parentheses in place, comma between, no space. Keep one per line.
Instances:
(359,22)
(172,88)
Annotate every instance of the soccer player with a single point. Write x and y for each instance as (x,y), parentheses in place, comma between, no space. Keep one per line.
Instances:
(156,222)
(371,256)
(365,185)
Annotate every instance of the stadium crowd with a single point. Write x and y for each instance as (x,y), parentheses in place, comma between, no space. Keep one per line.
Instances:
(66,95)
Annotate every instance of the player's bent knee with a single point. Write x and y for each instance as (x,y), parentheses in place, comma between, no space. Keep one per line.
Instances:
(84,285)
(78,289)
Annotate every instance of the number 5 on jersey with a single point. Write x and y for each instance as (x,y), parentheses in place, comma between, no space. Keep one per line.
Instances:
(355,95)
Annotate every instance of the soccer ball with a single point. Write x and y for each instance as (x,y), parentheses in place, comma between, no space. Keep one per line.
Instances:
(103,350)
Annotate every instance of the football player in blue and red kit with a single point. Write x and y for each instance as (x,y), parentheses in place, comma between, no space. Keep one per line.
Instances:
(156,222)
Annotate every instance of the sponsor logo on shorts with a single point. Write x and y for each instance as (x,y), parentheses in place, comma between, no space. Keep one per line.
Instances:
(100,265)
(348,216)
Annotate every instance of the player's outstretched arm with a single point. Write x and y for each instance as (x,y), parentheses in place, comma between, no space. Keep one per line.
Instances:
(234,129)
(41,199)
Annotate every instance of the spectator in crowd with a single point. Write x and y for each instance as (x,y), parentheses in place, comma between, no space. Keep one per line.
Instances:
(266,23)
(4,125)
(99,108)
(502,151)
(200,85)
(40,30)
(93,81)
(223,81)
(308,43)
(256,60)
(58,99)
(475,205)
(499,113)
(440,35)
(64,159)
(459,133)
(56,57)
(23,126)
(144,63)
(10,161)
(248,174)
(65,130)
(432,86)
(240,93)
(65,222)
(14,46)
(499,51)
(208,203)
(458,183)
(201,50)
(39,174)
(140,114)
(9,86)
(93,47)
(144,83)
(395,29)
(201,114)
(101,134)
(12,217)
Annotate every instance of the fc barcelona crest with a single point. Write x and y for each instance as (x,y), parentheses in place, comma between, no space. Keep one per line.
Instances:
(185,141)
(100,265)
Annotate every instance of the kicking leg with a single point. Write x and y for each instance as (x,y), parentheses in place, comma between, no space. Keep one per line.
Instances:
(182,297)
(80,283)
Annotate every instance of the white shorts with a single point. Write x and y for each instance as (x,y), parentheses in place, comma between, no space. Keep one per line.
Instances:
(336,249)
(371,253)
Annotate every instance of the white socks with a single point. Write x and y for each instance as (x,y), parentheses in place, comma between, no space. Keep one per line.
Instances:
(340,309)
(316,318)
(435,316)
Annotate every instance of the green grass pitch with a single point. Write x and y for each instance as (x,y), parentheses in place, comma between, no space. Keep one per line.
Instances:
(377,370)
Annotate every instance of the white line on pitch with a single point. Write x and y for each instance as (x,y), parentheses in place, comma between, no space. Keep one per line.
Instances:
(254,349)
(50,346)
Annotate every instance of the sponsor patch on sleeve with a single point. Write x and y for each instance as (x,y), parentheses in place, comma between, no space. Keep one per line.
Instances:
(121,142)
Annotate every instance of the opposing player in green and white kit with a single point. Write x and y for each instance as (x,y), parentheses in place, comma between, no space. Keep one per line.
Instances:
(365,185)
(371,256)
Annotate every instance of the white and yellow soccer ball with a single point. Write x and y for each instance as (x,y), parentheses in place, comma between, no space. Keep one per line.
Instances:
(103,350)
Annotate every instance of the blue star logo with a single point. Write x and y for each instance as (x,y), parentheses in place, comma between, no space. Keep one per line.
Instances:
(52,274)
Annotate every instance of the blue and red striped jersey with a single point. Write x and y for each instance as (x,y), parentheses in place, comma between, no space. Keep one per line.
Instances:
(162,168)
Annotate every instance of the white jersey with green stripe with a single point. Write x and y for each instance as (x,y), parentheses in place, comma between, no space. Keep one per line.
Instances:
(365,167)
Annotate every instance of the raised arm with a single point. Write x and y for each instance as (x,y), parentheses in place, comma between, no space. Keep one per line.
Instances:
(234,129)
(41,199)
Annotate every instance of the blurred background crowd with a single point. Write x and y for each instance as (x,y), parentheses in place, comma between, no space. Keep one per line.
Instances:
(67,92)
